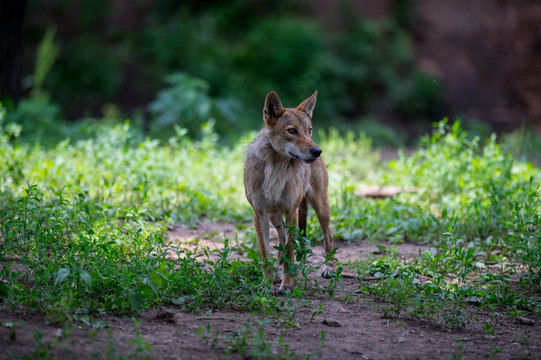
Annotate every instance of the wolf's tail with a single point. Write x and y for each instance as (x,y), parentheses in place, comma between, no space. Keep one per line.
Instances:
(303,214)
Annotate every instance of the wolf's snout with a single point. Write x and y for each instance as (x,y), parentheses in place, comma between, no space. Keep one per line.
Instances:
(315,151)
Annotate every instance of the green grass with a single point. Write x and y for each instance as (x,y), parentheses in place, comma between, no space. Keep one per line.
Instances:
(83,226)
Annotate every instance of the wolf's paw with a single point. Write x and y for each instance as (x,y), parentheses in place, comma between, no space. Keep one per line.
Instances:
(328,272)
(282,289)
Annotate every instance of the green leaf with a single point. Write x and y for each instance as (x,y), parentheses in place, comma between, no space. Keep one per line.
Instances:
(61,275)
(87,279)
(4,289)
(179,301)
(135,301)
(147,281)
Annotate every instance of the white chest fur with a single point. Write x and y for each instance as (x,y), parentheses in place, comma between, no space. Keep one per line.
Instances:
(279,176)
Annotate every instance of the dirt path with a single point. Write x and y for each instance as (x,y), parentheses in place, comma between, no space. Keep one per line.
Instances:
(352,330)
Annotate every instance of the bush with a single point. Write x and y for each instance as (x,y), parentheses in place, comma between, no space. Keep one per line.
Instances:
(39,118)
(187,104)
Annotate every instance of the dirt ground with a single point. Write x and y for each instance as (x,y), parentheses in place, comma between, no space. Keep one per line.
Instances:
(352,330)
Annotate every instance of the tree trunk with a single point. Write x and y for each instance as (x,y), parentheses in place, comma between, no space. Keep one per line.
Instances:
(11,44)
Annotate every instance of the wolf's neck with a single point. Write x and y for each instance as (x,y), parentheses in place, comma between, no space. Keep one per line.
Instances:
(279,170)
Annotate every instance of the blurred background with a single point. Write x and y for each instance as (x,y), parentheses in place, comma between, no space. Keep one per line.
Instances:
(388,67)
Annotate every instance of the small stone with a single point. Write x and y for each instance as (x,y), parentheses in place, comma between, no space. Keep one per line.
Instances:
(331,323)
(165,315)
(525,321)
(400,340)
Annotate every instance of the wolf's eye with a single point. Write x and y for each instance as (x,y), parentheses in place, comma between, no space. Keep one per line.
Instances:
(292,131)
(310,130)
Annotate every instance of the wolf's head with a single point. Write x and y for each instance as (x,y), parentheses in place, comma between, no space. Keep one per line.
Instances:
(290,130)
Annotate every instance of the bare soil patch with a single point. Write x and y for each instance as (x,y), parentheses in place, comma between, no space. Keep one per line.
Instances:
(353,329)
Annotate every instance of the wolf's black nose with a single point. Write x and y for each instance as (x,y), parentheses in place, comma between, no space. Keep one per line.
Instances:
(315,151)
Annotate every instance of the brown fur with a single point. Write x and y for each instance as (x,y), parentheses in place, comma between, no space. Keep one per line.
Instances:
(283,173)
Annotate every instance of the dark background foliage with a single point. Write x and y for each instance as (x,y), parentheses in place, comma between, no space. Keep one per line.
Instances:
(404,63)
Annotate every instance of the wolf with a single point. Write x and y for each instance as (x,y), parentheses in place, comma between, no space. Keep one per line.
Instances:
(284,172)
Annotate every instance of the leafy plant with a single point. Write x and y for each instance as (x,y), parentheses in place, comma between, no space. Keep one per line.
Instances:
(252,342)
(38,116)
(187,104)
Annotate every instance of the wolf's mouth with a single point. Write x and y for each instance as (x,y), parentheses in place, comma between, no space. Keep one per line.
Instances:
(308,161)
(293,155)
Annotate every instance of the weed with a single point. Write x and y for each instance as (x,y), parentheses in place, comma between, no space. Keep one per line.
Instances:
(495,351)
(141,346)
(41,350)
(316,312)
(489,328)
(461,343)
(251,341)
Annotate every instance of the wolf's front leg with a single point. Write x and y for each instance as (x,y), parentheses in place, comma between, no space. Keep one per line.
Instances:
(287,284)
(261,223)
(320,203)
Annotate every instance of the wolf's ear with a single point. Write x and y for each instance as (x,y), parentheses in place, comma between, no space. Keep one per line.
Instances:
(273,108)
(308,105)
